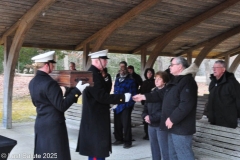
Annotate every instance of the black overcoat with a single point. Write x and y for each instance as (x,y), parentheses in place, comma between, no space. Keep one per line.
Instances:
(95,135)
(224,100)
(179,104)
(51,138)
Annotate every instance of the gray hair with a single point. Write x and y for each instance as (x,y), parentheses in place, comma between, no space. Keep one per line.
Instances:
(182,61)
(221,62)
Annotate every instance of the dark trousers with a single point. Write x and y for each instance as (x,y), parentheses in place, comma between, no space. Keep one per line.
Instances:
(122,126)
(145,128)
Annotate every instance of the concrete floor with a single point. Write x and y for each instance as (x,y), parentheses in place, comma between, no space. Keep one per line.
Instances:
(24,134)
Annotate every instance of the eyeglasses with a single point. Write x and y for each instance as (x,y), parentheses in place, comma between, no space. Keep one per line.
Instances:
(172,65)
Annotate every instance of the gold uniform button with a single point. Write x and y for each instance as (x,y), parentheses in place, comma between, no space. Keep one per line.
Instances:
(120,100)
(76,95)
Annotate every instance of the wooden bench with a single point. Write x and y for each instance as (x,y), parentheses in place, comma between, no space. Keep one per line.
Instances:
(74,113)
(216,142)
(201,102)
(73,116)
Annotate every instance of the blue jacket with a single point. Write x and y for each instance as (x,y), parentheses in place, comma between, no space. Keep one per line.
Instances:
(126,86)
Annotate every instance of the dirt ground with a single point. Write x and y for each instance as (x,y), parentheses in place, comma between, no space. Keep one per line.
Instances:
(20,86)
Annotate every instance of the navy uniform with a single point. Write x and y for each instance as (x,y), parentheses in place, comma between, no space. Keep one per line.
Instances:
(51,137)
(95,133)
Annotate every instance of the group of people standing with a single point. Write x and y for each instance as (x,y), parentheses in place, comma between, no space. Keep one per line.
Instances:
(177,103)
(169,100)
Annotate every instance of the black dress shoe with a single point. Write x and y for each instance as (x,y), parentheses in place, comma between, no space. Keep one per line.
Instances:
(126,146)
(146,137)
(117,142)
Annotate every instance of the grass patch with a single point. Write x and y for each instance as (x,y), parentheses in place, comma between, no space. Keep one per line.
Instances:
(23,109)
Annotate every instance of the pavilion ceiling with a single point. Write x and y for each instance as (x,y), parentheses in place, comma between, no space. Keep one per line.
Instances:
(166,27)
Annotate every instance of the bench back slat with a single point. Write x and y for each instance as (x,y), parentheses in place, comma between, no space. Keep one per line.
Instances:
(215,140)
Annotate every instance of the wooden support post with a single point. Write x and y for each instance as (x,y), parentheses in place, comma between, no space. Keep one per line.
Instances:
(189,58)
(143,61)
(86,59)
(12,54)
(227,59)
(8,87)
(234,64)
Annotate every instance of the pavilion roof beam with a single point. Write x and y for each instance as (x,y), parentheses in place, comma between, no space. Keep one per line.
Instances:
(173,33)
(235,64)
(14,27)
(47,46)
(214,42)
(11,55)
(102,34)
(166,38)
(232,51)
(202,44)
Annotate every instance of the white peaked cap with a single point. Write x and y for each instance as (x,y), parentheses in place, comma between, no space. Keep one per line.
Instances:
(100,54)
(45,57)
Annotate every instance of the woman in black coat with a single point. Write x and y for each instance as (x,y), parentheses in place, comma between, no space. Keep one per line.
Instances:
(147,85)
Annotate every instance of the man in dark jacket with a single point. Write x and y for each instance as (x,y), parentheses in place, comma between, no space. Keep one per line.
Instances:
(72,66)
(51,137)
(121,64)
(178,108)
(94,138)
(224,97)
(122,113)
(136,77)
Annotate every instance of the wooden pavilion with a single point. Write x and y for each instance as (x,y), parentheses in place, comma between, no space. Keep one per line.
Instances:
(191,28)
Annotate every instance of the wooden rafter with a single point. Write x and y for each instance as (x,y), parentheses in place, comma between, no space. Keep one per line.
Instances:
(47,46)
(102,34)
(235,64)
(40,6)
(202,44)
(214,42)
(165,39)
(232,51)
(173,33)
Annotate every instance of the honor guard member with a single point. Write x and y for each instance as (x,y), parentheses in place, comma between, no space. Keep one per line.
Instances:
(94,138)
(51,137)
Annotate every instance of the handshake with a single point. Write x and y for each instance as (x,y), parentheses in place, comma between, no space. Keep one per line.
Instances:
(81,86)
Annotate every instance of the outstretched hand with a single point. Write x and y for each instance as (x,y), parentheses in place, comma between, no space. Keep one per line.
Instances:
(139,97)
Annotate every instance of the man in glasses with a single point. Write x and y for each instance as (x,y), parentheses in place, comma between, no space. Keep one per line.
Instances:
(223,107)
(179,103)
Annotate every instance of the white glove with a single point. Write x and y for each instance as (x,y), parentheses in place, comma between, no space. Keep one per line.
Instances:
(127,96)
(81,86)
